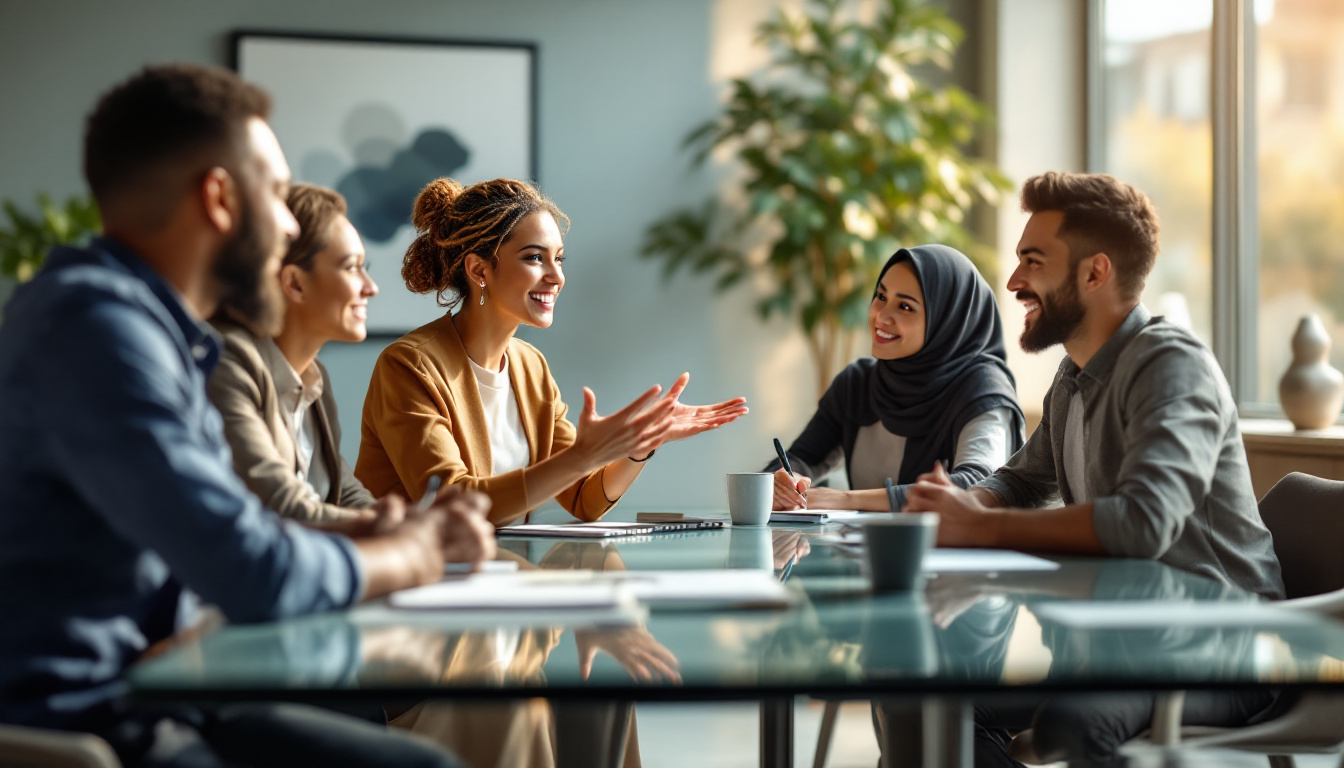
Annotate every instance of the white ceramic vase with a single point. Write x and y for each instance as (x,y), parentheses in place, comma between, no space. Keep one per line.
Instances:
(1311,392)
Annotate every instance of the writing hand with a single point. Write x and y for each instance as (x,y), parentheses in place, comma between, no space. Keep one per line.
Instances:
(790,490)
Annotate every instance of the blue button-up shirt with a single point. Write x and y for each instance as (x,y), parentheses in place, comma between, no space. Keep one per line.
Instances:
(118,499)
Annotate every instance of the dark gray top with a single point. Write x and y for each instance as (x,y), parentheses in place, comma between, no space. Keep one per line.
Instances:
(1165,465)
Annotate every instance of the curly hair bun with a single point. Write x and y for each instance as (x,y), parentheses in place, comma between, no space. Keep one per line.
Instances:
(434,203)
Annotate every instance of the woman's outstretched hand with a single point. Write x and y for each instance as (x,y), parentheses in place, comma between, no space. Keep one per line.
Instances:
(691,420)
(634,431)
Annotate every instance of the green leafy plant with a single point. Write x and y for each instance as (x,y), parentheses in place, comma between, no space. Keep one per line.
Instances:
(24,244)
(847,153)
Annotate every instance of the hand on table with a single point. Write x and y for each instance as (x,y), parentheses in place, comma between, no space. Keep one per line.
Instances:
(791,491)
(466,533)
(962,519)
(633,648)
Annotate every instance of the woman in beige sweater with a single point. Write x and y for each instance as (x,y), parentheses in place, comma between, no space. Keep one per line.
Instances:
(462,399)
(273,394)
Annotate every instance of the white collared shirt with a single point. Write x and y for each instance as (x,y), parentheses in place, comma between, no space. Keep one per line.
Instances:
(297,394)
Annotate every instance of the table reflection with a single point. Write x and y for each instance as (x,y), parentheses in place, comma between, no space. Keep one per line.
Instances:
(965,631)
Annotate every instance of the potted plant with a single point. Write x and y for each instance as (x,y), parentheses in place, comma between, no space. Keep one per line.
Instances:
(846,153)
(26,241)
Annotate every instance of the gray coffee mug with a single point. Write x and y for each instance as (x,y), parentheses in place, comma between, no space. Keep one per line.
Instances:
(894,550)
(750,495)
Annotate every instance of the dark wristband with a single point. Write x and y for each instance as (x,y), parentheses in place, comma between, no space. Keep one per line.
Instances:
(646,458)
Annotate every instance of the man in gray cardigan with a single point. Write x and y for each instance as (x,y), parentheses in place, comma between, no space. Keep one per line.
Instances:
(1139,441)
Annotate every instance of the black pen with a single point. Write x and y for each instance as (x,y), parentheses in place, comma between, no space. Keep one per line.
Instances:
(431,490)
(783,457)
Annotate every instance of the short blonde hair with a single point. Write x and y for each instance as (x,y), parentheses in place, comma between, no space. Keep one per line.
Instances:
(315,208)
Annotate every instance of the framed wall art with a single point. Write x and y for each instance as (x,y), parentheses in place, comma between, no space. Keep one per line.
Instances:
(378,118)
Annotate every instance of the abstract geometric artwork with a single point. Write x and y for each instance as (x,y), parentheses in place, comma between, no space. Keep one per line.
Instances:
(377,119)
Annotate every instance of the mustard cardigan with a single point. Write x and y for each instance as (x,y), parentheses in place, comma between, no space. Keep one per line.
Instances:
(423,417)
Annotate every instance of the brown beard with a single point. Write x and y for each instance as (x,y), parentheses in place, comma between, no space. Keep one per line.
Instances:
(249,293)
(1060,315)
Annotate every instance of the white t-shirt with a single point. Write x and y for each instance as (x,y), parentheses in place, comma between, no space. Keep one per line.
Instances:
(878,453)
(508,442)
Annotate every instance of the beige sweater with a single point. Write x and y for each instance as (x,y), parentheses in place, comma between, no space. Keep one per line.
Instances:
(264,454)
(423,417)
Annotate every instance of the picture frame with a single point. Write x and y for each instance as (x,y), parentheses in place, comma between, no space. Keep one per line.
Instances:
(377,118)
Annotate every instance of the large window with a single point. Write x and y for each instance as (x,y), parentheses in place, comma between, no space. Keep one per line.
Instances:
(1299,133)
(1156,135)
(1250,103)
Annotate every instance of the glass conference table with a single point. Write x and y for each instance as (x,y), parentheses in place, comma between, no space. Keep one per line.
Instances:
(969,635)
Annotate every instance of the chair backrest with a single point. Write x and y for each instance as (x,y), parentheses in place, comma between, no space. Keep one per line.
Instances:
(1305,514)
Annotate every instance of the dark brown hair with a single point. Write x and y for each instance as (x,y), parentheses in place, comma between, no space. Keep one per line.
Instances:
(1101,215)
(451,222)
(315,208)
(173,115)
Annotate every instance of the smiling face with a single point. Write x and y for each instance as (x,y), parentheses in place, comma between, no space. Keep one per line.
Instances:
(528,273)
(330,299)
(1046,284)
(896,319)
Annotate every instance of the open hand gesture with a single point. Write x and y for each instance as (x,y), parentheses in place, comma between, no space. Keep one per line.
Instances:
(691,420)
(634,431)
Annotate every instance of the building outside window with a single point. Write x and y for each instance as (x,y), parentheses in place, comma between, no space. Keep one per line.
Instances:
(1153,97)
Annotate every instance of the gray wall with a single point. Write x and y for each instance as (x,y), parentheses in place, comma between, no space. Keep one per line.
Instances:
(621,82)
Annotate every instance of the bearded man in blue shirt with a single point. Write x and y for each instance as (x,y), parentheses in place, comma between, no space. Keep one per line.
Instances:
(118,501)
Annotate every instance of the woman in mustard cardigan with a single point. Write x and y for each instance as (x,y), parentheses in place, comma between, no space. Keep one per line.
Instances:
(462,399)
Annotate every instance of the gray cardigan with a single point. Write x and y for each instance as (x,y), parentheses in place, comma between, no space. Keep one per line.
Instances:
(1166,468)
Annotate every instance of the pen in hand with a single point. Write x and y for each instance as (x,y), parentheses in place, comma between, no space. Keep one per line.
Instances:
(431,491)
(784,460)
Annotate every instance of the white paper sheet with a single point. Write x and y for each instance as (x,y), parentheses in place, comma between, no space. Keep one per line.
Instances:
(1153,614)
(489,566)
(951,560)
(983,561)
(587,590)
(741,587)
(508,592)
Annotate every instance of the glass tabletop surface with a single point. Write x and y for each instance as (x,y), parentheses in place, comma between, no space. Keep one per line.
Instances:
(1090,624)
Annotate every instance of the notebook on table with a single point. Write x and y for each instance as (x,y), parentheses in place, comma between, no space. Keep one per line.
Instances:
(815,516)
(606,530)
